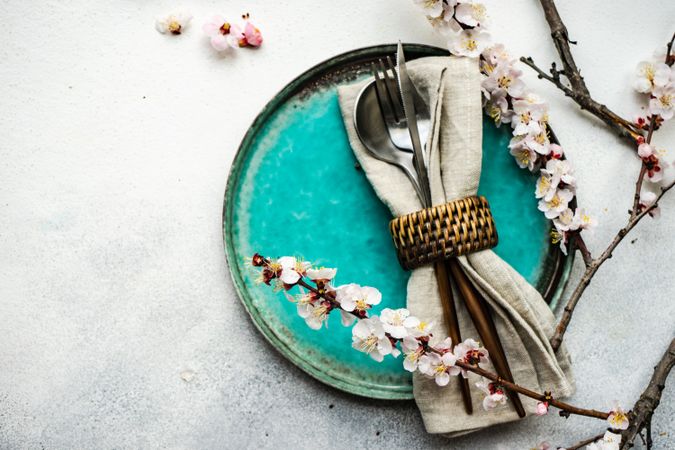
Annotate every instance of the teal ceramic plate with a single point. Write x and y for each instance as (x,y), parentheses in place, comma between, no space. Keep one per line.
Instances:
(295,189)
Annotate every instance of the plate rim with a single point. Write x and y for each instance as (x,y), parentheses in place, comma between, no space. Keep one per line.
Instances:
(563,264)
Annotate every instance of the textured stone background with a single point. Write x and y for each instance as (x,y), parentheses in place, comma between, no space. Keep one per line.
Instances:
(118,321)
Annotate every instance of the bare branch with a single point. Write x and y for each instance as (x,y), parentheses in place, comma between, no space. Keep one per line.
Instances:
(643,410)
(577,89)
(585,442)
(591,269)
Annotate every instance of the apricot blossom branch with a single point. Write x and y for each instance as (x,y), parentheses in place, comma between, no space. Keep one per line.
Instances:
(380,336)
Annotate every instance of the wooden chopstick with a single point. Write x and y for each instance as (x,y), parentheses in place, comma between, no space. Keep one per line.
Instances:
(482,320)
(450,315)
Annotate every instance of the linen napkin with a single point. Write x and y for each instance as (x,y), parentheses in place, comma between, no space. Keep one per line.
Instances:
(524,321)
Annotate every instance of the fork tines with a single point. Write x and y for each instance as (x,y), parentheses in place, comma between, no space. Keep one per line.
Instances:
(388,94)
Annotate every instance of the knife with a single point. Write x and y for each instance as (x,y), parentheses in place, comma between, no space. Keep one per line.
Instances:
(406,87)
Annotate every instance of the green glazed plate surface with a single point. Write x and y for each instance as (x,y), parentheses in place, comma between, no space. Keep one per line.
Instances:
(294,189)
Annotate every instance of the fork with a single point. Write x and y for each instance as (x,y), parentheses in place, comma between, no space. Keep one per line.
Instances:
(392,110)
(397,125)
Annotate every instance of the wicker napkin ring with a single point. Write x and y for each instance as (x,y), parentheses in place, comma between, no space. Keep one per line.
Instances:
(445,231)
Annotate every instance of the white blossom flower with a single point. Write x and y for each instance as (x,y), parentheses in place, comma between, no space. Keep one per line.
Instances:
(395,322)
(439,367)
(647,199)
(583,221)
(559,170)
(353,297)
(496,55)
(315,314)
(432,8)
(494,394)
(645,150)
(418,328)
(610,441)
(556,151)
(663,102)
(173,23)
(565,221)
(544,187)
(506,78)
(650,75)
(557,204)
(618,418)
(368,336)
(324,274)
(471,14)
(291,269)
(534,99)
(445,344)
(526,117)
(538,142)
(222,35)
(525,156)
(542,409)
(445,23)
(559,237)
(656,166)
(497,107)
(412,351)
(470,42)
(346,318)
(470,352)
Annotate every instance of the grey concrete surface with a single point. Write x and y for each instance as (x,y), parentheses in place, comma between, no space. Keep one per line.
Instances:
(119,325)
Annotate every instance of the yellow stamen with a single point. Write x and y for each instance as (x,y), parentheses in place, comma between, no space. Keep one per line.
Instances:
(368,345)
(504,81)
(174,27)
(524,157)
(361,304)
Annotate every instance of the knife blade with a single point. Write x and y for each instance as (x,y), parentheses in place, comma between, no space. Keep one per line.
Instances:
(406,86)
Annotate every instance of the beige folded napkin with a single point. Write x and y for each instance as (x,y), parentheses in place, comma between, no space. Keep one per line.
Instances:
(524,321)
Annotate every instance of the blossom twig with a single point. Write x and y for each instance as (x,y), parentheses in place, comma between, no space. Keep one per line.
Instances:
(641,415)
(637,212)
(566,407)
(595,264)
(577,89)
(585,442)
(380,336)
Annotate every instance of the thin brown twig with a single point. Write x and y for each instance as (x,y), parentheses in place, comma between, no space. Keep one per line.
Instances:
(532,394)
(577,89)
(595,264)
(585,442)
(571,409)
(592,265)
(643,170)
(643,410)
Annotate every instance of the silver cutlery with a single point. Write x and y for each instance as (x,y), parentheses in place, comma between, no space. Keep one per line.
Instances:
(476,305)
(372,131)
(392,120)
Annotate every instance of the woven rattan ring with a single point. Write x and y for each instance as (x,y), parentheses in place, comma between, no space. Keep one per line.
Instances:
(445,231)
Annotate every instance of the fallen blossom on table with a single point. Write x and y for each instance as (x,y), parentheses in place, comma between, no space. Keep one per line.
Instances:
(173,23)
(251,36)
(222,34)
